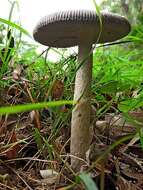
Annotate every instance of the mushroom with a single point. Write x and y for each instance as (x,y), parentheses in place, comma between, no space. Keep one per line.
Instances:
(80,28)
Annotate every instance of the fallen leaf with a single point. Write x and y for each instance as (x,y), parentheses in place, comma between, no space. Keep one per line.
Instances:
(57,90)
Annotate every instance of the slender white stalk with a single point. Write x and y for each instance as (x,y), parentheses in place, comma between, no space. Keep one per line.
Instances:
(80,124)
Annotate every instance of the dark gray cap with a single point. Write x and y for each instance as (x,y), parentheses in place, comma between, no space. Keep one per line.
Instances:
(71,28)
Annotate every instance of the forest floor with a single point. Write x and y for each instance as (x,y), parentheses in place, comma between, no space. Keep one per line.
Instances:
(29,161)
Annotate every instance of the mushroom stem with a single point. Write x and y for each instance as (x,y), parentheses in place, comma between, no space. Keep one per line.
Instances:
(80,124)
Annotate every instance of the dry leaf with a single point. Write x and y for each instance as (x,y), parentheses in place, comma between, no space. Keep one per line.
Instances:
(57,90)
(12,152)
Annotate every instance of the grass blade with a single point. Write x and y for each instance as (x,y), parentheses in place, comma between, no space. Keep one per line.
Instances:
(12,24)
(88,181)
(32,106)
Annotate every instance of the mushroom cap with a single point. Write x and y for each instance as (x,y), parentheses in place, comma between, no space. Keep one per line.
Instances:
(71,28)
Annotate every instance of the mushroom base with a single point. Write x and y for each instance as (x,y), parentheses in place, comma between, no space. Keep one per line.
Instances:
(81,133)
